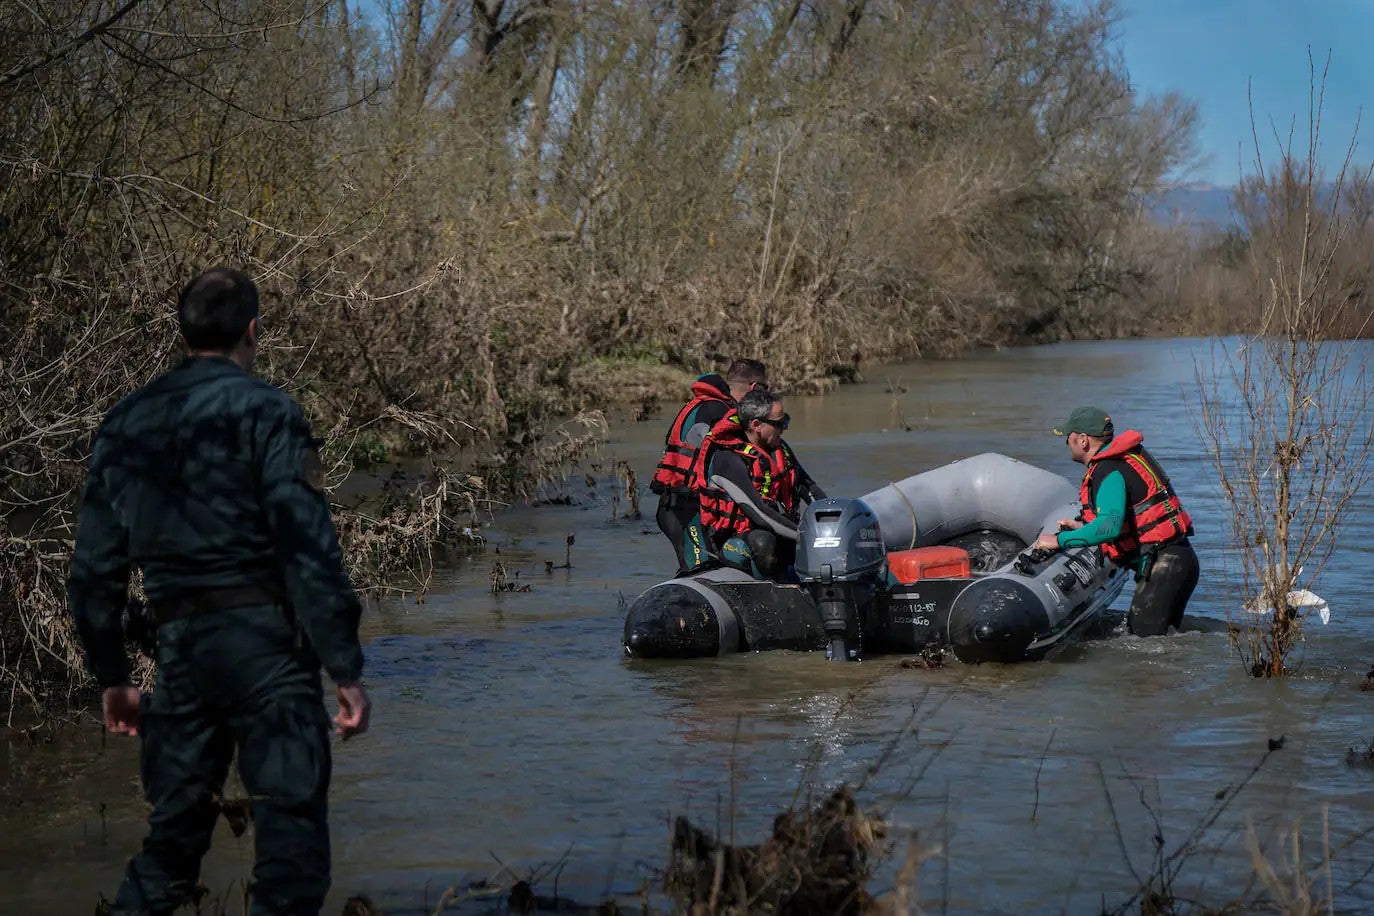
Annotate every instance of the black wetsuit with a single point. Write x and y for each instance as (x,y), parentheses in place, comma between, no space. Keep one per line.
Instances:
(771,553)
(677,507)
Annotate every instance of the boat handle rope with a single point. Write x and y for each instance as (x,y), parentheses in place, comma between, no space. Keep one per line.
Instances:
(910,508)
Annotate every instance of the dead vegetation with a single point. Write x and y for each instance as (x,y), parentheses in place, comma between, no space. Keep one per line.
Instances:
(390,539)
(1207,285)
(1285,412)
(38,649)
(816,861)
(1361,755)
(471,221)
(1288,872)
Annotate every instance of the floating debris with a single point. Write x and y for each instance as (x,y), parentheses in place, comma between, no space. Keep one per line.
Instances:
(930,658)
(500,582)
(1360,756)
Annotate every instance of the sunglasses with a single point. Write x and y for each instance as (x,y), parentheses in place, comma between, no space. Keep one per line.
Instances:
(782,423)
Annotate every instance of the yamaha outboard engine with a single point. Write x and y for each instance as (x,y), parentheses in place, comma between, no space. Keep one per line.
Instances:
(840,558)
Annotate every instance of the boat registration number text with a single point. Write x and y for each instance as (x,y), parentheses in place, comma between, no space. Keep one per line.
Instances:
(916,620)
(916,613)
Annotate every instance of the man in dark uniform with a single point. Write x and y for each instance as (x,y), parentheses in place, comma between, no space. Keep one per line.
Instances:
(208,481)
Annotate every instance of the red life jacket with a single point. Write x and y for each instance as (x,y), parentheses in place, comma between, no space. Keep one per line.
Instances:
(1157,518)
(769,473)
(785,477)
(674,471)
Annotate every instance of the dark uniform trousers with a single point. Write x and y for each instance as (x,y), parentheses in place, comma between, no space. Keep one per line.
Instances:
(209,481)
(237,679)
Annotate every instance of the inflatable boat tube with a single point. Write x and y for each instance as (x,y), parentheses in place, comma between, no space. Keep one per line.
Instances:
(1010,608)
(718,612)
(997,602)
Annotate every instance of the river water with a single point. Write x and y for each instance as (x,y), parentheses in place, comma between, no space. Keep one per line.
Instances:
(509,728)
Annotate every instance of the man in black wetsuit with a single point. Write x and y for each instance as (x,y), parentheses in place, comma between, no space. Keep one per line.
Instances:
(713,397)
(750,483)
(1129,507)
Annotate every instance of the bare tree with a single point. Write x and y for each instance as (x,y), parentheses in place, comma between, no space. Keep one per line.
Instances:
(150,143)
(1286,413)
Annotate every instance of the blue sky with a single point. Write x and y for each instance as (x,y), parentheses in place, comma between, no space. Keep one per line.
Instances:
(1209,49)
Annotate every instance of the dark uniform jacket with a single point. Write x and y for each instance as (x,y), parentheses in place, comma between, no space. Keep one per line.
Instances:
(206,479)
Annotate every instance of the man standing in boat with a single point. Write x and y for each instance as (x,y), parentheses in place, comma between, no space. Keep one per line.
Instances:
(1131,510)
(713,397)
(748,482)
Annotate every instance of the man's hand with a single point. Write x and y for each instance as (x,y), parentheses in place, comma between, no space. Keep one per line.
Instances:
(1070,524)
(120,705)
(355,710)
(1046,542)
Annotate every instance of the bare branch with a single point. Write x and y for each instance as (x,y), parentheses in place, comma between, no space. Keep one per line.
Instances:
(22,70)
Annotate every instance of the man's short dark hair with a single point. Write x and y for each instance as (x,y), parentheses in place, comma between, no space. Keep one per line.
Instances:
(756,405)
(215,309)
(746,372)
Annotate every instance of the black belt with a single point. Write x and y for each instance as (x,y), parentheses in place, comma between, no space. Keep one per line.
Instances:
(678,499)
(187,604)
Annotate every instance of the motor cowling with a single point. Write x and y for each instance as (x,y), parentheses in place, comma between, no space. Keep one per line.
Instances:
(840,559)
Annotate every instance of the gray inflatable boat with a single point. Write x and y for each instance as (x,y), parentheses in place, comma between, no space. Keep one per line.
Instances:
(937,560)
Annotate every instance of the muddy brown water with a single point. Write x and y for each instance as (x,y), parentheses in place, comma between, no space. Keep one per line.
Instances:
(510,728)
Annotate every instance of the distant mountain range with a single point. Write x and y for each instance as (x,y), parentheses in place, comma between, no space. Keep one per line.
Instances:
(1202,207)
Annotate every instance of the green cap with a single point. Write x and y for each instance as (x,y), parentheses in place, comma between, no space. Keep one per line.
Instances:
(1091,421)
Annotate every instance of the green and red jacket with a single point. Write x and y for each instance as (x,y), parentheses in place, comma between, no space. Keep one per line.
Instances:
(1156,515)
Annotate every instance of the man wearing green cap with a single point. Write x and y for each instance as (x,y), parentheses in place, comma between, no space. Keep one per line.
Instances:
(1131,510)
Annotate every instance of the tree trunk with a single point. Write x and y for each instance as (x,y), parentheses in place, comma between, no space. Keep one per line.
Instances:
(705,24)
(540,101)
(849,24)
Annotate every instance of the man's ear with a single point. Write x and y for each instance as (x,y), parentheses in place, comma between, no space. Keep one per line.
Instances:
(254,332)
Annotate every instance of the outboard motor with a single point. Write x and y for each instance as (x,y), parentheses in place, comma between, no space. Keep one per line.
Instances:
(840,557)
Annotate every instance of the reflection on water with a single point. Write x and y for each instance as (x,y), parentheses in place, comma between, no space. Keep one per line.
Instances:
(510,726)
